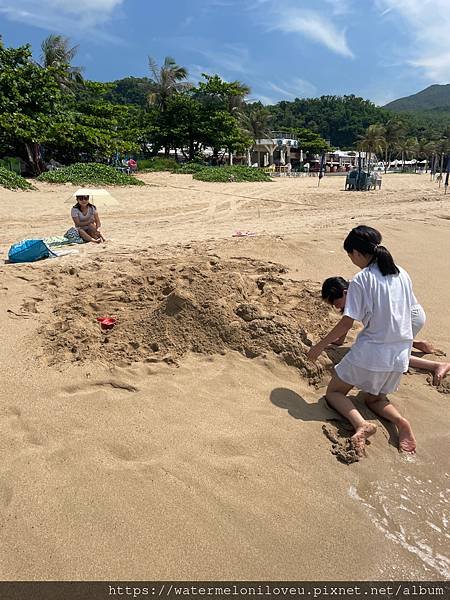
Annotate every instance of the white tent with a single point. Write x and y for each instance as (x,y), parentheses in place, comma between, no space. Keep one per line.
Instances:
(99,197)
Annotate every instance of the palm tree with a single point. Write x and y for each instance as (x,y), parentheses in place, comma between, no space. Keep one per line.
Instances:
(407,147)
(236,106)
(372,141)
(442,149)
(57,53)
(166,80)
(256,124)
(430,153)
(236,100)
(423,150)
(394,131)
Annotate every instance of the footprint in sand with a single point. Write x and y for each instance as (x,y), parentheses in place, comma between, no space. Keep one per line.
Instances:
(123,452)
(6,492)
(443,387)
(100,390)
(20,425)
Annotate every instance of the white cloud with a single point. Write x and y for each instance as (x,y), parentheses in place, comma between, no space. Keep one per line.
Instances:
(231,58)
(226,58)
(427,23)
(264,99)
(343,7)
(310,24)
(63,16)
(295,88)
(283,90)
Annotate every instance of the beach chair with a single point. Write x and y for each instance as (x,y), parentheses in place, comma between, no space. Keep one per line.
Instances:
(363,181)
(351,180)
(357,180)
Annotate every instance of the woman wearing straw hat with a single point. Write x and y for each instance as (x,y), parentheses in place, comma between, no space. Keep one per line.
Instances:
(86,220)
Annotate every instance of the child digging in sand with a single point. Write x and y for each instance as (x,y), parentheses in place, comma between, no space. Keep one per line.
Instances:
(380,296)
(334,292)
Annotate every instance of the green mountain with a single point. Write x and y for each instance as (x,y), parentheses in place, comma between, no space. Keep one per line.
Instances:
(434,97)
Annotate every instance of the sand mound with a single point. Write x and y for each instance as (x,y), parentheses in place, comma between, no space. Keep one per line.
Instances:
(167,307)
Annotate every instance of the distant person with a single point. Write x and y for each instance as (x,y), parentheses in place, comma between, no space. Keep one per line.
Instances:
(380,296)
(132,165)
(334,292)
(53,165)
(86,220)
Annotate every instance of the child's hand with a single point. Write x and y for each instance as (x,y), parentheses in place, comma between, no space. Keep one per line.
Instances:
(340,340)
(315,352)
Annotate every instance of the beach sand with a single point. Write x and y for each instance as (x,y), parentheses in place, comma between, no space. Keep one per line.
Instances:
(187,442)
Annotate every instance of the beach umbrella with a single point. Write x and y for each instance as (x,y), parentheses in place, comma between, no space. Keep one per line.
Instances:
(447,174)
(99,197)
(321,168)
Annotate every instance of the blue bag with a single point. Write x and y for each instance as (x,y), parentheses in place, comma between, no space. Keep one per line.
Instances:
(29,251)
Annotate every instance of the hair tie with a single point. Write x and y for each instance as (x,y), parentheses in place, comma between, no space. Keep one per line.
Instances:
(375,247)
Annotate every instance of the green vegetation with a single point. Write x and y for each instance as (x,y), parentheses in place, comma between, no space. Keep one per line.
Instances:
(191,168)
(48,111)
(12,181)
(340,119)
(89,173)
(157,164)
(233,173)
(432,97)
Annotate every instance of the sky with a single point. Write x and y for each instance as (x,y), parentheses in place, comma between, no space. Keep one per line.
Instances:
(282,49)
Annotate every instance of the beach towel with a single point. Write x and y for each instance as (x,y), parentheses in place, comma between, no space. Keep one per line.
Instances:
(73,236)
(55,241)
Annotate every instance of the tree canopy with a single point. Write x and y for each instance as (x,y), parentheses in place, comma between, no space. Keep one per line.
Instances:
(48,110)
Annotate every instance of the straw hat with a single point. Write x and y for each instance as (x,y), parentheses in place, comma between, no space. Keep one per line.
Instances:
(98,197)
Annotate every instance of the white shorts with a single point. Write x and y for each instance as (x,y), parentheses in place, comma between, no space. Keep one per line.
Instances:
(418,318)
(372,382)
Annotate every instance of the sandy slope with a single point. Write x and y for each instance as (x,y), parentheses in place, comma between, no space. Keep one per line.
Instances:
(155,462)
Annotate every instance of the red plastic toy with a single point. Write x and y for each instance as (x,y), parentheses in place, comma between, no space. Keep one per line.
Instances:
(107,322)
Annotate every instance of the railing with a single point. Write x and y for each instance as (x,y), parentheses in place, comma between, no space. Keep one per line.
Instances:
(289,135)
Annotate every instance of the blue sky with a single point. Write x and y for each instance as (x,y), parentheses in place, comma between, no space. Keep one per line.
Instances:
(378,49)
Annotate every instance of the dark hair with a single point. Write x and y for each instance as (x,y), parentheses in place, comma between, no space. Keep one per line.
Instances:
(78,205)
(333,288)
(366,240)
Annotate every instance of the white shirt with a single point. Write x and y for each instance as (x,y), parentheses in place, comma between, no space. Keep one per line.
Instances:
(383,305)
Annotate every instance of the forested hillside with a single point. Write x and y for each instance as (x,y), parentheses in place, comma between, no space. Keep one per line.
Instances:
(432,98)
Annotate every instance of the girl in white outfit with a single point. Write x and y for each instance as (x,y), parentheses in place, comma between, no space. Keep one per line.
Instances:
(381,297)
(334,292)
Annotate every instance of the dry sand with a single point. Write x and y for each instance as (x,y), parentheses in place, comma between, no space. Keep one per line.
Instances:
(187,442)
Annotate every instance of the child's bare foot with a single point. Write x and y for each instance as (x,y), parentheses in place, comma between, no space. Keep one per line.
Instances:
(358,440)
(406,439)
(440,373)
(424,347)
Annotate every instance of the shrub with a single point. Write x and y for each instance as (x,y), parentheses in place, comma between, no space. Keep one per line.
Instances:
(157,164)
(191,167)
(234,173)
(89,173)
(12,181)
